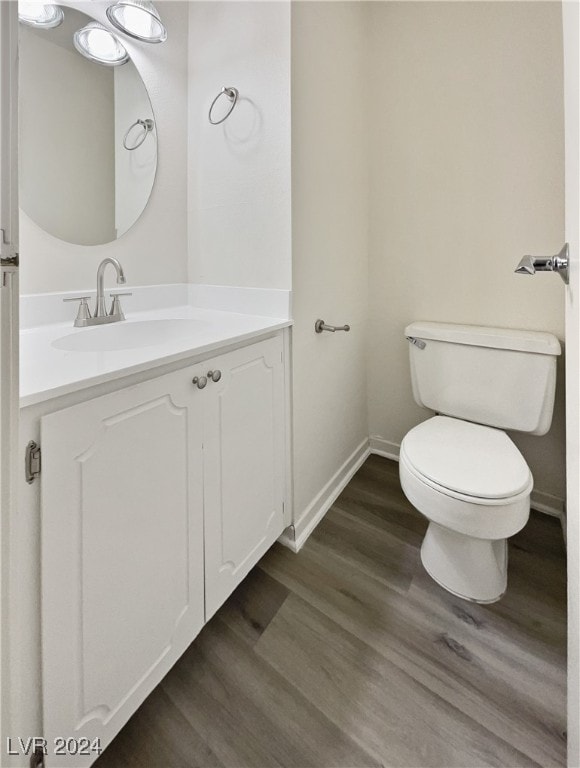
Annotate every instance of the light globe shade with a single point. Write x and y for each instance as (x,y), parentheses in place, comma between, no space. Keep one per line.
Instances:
(40,15)
(97,43)
(139,19)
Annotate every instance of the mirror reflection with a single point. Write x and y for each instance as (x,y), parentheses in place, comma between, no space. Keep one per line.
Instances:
(88,139)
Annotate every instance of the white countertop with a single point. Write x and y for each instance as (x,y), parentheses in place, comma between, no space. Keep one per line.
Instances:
(47,371)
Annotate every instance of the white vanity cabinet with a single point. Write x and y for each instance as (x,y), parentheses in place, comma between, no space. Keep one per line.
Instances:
(156,500)
(243,466)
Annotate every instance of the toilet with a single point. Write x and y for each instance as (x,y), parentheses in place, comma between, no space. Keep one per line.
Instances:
(459,468)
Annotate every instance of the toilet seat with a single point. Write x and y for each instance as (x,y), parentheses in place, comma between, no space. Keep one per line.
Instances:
(466,461)
(482,518)
(444,452)
(481,501)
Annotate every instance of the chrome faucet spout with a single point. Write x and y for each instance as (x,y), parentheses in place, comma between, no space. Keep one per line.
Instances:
(101,309)
(101,316)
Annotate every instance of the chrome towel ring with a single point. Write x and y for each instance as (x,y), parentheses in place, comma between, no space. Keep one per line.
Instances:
(147,126)
(231,94)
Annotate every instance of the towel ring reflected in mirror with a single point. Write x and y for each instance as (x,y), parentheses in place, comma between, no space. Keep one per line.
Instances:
(231,94)
(147,126)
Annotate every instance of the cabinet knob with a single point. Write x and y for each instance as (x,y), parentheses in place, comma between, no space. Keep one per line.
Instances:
(201,381)
(214,375)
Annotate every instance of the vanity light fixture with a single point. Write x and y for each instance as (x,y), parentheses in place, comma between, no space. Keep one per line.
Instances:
(40,15)
(97,43)
(139,19)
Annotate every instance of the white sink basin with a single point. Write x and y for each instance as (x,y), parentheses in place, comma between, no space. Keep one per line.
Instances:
(127,335)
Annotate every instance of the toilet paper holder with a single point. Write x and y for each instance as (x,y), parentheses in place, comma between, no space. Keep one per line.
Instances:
(320,326)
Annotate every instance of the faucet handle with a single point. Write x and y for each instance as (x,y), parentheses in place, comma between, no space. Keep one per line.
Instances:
(116,303)
(84,312)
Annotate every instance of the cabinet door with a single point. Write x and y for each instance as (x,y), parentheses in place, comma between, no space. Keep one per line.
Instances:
(122,552)
(243,464)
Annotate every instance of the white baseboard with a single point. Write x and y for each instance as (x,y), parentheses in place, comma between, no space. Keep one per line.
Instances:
(288,538)
(384,448)
(546,503)
(296,535)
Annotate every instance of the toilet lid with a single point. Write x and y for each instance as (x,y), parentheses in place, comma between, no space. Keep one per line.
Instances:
(468,458)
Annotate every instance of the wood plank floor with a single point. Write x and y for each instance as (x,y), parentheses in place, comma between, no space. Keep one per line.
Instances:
(349,655)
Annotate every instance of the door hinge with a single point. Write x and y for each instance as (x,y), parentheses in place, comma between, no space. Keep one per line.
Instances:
(32,461)
(8,254)
(10,261)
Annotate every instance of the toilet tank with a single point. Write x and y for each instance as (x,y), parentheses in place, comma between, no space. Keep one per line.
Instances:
(497,376)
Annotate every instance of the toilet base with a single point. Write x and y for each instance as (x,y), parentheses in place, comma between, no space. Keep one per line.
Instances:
(470,568)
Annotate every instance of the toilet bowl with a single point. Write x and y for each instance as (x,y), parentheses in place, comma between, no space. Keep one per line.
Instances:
(473,485)
(459,468)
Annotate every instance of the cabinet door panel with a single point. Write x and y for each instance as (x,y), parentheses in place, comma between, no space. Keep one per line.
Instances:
(122,551)
(243,465)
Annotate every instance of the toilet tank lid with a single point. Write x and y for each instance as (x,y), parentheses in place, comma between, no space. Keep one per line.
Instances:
(483,336)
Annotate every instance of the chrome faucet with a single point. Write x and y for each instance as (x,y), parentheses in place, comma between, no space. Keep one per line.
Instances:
(100,308)
(101,316)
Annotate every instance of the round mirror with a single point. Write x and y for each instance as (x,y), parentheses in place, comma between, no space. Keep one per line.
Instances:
(88,140)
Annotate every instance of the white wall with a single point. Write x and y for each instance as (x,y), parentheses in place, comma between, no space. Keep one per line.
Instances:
(155,249)
(466,175)
(239,171)
(329,231)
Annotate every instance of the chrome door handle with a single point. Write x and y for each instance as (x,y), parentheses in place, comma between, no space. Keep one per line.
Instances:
(559,263)
(214,375)
(320,326)
(200,381)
